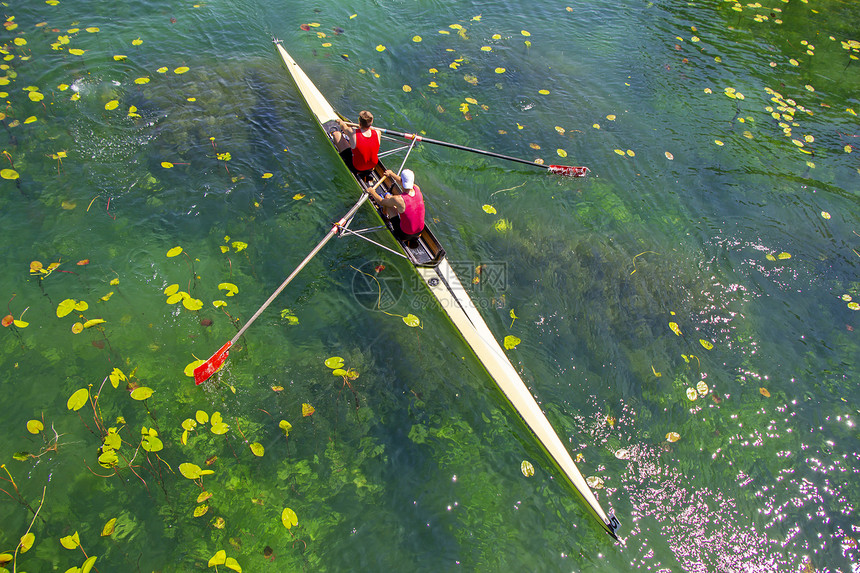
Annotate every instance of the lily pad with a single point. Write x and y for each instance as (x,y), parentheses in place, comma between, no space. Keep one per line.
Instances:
(289,518)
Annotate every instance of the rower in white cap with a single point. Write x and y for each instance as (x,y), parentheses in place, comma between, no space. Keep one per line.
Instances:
(406,210)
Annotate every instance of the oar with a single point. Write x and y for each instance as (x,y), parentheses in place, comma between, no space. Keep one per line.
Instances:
(557,169)
(208,368)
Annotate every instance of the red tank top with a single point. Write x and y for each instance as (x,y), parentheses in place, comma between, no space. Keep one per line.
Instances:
(364,155)
(412,219)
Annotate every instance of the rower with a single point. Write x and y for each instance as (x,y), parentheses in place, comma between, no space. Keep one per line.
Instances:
(364,144)
(405,209)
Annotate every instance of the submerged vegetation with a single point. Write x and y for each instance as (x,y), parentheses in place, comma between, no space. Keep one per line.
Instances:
(685,314)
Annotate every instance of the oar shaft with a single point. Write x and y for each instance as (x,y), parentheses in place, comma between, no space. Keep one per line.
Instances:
(460,147)
(302,265)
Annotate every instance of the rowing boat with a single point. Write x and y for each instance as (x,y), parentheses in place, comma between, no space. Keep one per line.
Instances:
(431,263)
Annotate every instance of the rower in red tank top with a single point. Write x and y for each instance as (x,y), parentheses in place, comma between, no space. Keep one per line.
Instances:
(364,143)
(405,209)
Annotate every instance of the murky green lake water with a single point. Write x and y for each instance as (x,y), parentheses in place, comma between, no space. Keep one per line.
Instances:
(711,253)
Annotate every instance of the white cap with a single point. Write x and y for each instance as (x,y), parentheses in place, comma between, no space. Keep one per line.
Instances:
(408,178)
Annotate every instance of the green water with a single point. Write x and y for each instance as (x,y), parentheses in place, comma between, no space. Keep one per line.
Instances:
(415,464)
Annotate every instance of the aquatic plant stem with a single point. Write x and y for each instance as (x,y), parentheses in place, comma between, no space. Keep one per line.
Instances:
(35,515)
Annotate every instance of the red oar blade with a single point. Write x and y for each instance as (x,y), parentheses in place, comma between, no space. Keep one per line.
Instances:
(211,366)
(568,171)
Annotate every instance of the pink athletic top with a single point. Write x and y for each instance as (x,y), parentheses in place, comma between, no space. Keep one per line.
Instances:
(364,155)
(412,219)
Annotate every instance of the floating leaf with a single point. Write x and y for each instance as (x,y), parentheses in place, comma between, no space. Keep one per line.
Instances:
(783,256)
(36,96)
(500,70)
(88,564)
(239,246)
(229,287)
(93,322)
(334,362)
(181,70)
(764,392)
(407,88)
(35,426)
(72,541)
(307,410)
(380,48)
(219,558)
(706,344)
(412,320)
(289,518)
(112,104)
(675,328)
(299,196)
(8,320)
(21,323)
(151,443)
(78,399)
(192,303)
(854,306)
(511,342)
(141,393)
(171,290)
(527,468)
(656,374)
(76,51)
(673,436)
(189,371)
(220,428)
(257,449)
(285,426)
(267,175)
(594,482)
(189,470)
(108,459)
(174,251)
(201,417)
(289,316)
(702,387)
(669,156)
(619,152)
(109,527)
(622,454)
(27,542)
(770,257)
(81,306)
(136,42)
(201,510)
(691,394)
(231,563)
(65,307)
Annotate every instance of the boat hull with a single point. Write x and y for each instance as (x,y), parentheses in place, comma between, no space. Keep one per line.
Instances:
(430,262)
